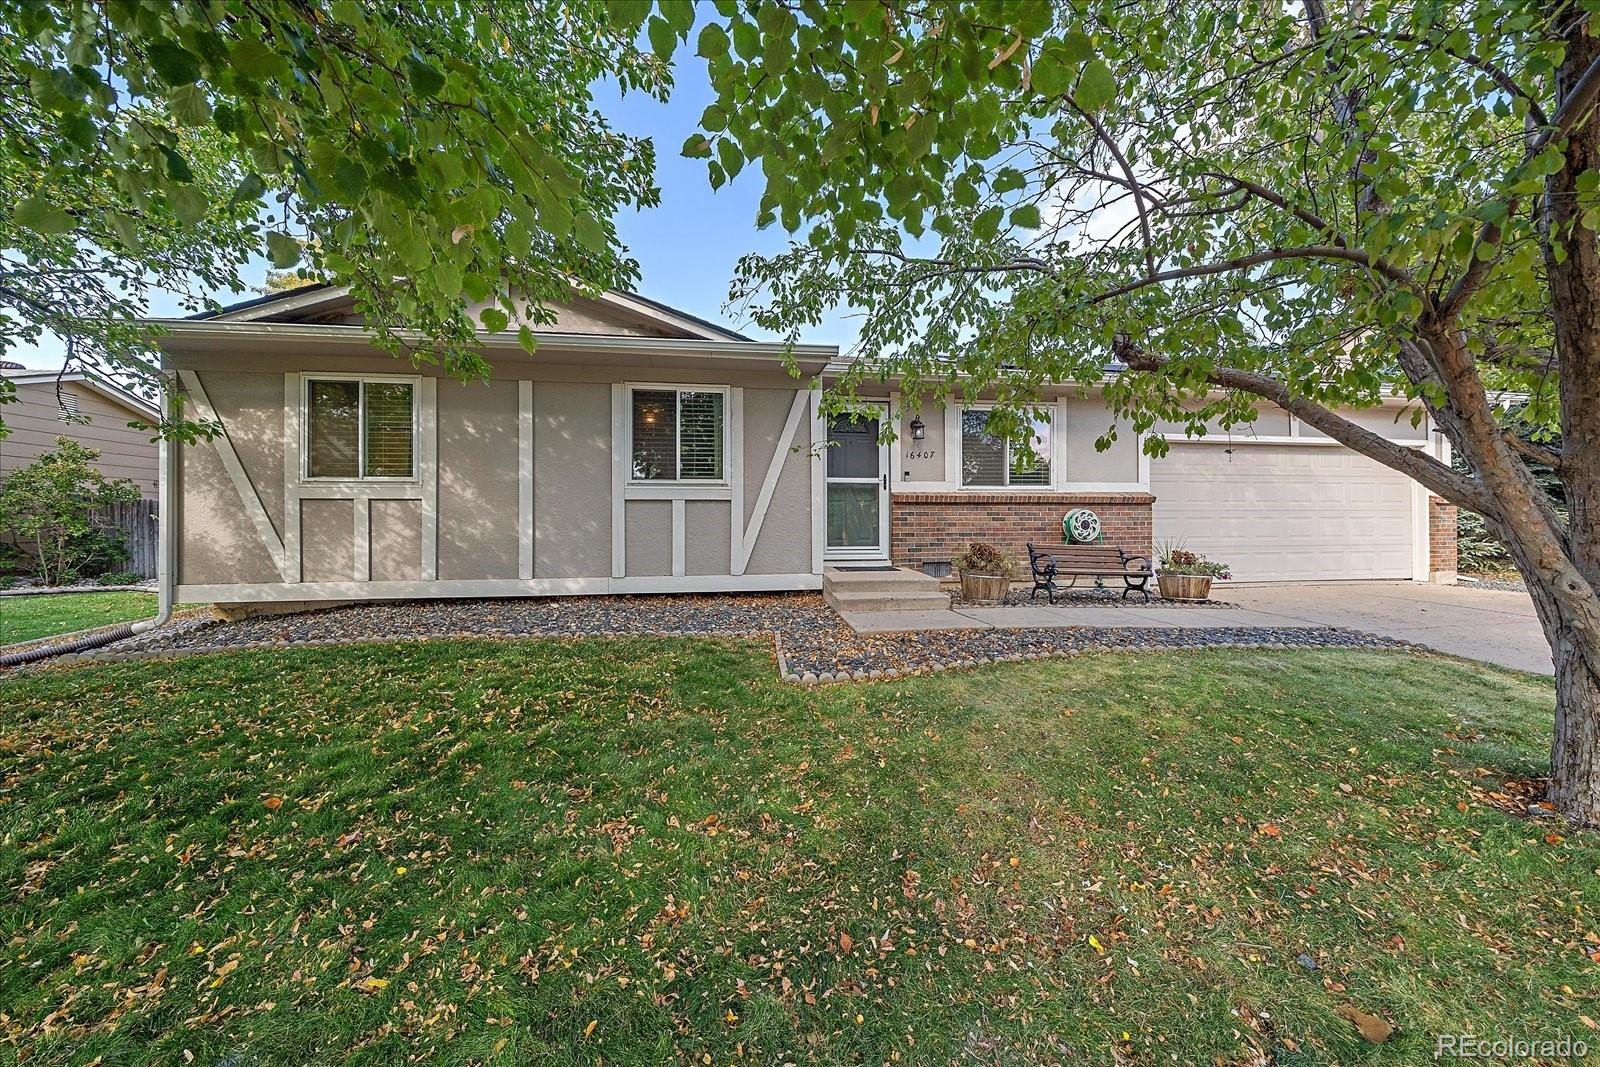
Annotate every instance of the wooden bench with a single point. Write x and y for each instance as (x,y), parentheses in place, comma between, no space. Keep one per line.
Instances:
(1079,561)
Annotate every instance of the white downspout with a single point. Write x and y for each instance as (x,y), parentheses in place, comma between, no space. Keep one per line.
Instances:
(166,518)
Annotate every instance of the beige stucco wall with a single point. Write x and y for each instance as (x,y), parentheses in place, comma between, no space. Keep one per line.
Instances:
(1087,418)
(784,546)
(327,544)
(35,423)
(649,528)
(395,550)
(477,479)
(920,461)
(478,484)
(571,480)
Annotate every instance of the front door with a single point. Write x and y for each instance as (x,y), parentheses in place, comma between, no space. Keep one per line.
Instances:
(858,486)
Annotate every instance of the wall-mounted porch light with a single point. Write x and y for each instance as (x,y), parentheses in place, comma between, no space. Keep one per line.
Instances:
(919,429)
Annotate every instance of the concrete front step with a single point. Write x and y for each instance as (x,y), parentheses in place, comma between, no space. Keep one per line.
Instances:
(849,600)
(900,579)
(900,589)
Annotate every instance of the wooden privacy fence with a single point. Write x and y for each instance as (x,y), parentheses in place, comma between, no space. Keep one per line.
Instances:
(138,522)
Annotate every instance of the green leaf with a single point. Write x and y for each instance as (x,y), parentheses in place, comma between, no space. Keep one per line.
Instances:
(189,105)
(177,167)
(252,59)
(662,38)
(1053,71)
(1026,216)
(41,216)
(283,251)
(425,78)
(713,42)
(591,235)
(189,203)
(173,63)
(1097,86)
(494,320)
(250,189)
(698,146)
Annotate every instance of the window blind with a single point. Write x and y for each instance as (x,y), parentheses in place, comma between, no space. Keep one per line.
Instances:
(700,435)
(983,455)
(1030,460)
(333,431)
(988,459)
(389,424)
(655,435)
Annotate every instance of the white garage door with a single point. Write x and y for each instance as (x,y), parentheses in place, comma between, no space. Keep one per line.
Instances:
(1280,513)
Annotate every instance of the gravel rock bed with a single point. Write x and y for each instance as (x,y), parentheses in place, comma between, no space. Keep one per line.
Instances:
(813,645)
(863,657)
(1509,585)
(1088,596)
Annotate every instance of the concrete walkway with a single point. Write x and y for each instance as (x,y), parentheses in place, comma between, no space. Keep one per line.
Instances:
(1488,625)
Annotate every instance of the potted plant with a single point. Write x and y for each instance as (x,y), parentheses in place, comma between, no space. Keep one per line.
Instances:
(985,573)
(1186,575)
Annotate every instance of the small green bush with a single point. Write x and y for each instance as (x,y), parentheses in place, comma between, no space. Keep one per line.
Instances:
(48,508)
(120,578)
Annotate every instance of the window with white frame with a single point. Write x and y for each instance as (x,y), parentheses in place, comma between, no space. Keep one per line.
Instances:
(360,428)
(990,459)
(678,434)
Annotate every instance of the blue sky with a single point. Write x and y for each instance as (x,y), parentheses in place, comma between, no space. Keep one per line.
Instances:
(686,247)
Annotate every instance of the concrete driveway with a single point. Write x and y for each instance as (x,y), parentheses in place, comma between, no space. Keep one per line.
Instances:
(1483,624)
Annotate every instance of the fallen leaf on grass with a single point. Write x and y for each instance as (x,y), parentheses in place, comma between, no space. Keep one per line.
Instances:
(1371,1027)
(273,803)
(372,985)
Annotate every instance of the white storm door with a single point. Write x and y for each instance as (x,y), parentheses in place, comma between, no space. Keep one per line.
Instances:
(858,486)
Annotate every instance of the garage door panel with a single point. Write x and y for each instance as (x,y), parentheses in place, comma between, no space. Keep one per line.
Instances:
(1286,513)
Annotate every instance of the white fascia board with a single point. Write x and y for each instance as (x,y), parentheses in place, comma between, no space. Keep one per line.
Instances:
(357,337)
(109,390)
(281,306)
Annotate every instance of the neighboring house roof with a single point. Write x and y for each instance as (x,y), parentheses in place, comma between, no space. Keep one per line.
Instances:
(110,390)
(319,296)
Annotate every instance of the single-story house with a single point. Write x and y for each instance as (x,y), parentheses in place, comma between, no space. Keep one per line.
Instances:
(645,450)
(85,407)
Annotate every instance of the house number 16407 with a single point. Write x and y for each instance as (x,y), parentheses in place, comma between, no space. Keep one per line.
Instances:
(925,454)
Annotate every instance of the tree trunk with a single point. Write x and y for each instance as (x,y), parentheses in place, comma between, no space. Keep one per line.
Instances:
(1572,260)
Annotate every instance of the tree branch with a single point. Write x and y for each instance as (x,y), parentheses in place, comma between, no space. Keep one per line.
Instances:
(1255,259)
(1133,183)
(1414,463)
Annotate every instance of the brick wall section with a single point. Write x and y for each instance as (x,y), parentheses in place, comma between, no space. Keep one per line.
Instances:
(1442,517)
(938,526)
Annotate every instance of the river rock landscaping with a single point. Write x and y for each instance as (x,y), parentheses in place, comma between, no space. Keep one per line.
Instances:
(812,644)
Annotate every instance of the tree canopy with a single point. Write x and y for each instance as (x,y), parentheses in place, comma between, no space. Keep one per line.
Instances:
(428,155)
(1006,187)
(1311,204)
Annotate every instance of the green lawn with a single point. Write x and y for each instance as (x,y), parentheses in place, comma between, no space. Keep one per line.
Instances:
(24,618)
(646,851)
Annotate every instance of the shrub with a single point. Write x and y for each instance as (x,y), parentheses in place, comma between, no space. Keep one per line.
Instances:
(48,509)
(1476,549)
(983,558)
(120,578)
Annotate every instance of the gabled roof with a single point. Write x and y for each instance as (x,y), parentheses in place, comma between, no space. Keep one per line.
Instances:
(110,390)
(320,297)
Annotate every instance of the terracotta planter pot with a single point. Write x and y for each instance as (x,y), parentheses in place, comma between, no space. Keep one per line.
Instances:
(1184,586)
(984,588)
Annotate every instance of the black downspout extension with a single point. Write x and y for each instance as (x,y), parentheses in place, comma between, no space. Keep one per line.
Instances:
(82,644)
